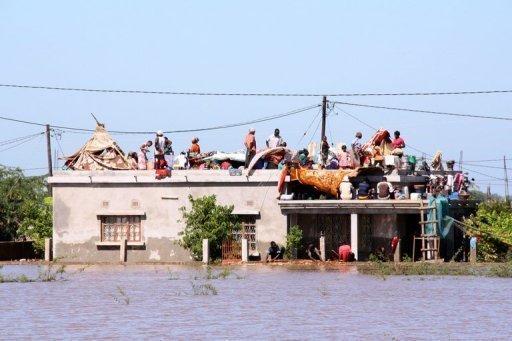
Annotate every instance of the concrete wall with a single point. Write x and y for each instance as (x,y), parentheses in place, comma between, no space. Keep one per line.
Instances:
(80,198)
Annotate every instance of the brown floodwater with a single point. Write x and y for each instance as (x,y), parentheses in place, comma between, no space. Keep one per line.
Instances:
(255,301)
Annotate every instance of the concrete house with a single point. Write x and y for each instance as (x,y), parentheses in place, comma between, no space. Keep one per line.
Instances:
(94,210)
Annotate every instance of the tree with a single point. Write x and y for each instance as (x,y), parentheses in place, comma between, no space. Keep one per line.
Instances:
(206,220)
(17,194)
(492,223)
(37,223)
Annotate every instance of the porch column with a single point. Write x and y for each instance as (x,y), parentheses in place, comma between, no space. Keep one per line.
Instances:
(353,235)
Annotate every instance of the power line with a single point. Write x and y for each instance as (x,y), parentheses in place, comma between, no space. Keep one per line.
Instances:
(17,139)
(20,143)
(309,126)
(491,160)
(426,111)
(197,93)
(232,125)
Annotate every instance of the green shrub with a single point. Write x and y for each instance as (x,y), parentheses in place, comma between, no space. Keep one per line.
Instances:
(293,241)
(206,220)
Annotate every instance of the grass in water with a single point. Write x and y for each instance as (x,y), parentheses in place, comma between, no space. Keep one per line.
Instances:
(204,289)
(122,297)
(437,269)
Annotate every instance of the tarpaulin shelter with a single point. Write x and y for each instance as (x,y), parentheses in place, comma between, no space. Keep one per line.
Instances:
(99,153)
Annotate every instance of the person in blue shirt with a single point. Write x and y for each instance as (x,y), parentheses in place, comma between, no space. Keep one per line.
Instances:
(273,252)
(362,191)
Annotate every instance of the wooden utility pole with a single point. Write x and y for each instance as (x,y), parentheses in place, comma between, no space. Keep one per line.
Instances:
(324,118)
(49,152)
(506,178)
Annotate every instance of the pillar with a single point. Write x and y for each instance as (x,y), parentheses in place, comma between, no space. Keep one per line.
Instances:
(354,238)
(322,248)
(206,251)
(472,255)
(123,250)
(48,254)
(245,250)
(396,255)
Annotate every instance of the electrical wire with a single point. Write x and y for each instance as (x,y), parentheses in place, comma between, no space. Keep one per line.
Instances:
(232,125)
(309,126)
(418,150)
(425,111)
(17,139)
(196,93)
(20,143)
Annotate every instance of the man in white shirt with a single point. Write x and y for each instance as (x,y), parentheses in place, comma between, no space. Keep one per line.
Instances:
(275,140)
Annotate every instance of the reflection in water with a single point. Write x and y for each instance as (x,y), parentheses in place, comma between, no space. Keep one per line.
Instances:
(260,301)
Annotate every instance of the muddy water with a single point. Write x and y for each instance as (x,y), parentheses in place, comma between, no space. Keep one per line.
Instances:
(257,302)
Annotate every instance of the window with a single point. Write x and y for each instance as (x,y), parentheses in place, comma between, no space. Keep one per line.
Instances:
(115,228)
(248,231)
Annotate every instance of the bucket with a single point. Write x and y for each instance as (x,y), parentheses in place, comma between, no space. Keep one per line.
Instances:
(415,196)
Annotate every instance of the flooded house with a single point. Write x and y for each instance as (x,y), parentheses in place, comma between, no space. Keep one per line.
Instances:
(102,201)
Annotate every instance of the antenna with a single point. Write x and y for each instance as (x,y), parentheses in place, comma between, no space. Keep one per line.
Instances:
(97,122)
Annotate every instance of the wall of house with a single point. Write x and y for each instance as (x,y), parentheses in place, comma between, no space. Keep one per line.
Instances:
(80,198)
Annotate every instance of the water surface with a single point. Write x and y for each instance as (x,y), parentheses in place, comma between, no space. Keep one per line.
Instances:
(255,301)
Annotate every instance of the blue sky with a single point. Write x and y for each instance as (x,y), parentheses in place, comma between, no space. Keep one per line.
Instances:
(258,46)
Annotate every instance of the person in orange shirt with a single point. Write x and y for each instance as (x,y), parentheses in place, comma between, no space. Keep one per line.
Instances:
(250,145)
(194,149)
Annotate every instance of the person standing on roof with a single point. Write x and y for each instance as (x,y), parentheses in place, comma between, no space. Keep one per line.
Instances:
(194,149)
(159,150)
(250,145)
(143,157)
(356,148)
(168,153)
(324,151)
(398,144)
(275,140)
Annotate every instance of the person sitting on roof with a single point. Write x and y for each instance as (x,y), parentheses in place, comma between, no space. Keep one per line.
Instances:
(134,160)
(384,189)
(398,145)
(159,150)
(346,189)
(363,190)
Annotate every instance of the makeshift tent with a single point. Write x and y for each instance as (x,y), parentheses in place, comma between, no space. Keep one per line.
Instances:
(100,152)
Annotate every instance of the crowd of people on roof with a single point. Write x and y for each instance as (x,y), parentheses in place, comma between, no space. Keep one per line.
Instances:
(159,154)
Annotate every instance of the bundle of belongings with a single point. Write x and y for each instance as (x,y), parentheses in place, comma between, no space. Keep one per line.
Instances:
(217,160)
(99,153)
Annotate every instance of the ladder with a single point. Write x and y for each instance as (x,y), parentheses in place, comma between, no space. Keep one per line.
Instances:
(430,243)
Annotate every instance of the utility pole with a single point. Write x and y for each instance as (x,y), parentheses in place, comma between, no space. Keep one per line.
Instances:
(49,152)
(324,118)
(506,178)
(460,160)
